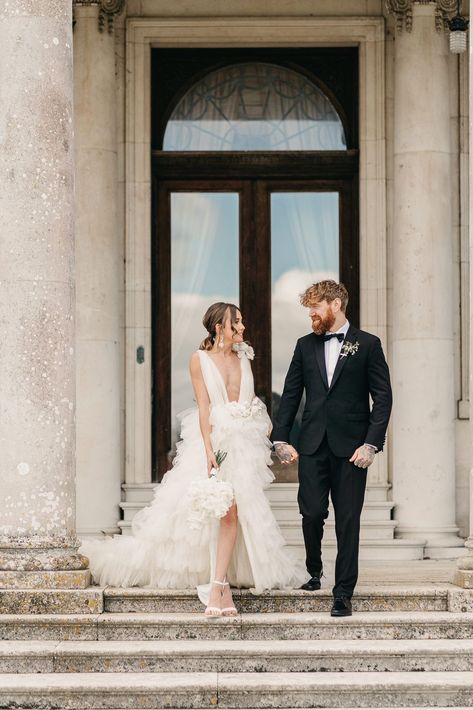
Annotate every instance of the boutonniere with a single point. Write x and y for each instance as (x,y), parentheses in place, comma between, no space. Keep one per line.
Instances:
(244,349)
(349,348)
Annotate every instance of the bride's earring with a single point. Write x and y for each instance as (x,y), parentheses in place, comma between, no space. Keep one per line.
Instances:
(220,341)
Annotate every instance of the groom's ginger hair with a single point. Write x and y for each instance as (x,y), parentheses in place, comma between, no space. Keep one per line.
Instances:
(325,291)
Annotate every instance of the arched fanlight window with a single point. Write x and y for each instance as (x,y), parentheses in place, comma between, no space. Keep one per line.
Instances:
(254,106)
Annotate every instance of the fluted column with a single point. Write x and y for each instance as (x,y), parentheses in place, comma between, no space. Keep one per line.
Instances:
(423,367)
(37,356)
(99,447)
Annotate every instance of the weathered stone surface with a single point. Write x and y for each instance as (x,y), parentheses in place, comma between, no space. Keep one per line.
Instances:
(224,656)
(154,600)
(51,601)
(41,560)
(368,598)
(276,690)
(70,579)
(37,358)
(364,625)
(464,578)
(460,600)
(236,690)
(109,690)
(374,598)
(167,626)
(58,627)
(128,627)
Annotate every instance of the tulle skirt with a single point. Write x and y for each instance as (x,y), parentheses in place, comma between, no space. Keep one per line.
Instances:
(166,552)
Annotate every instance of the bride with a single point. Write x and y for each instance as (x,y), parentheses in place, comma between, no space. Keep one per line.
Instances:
(245,547)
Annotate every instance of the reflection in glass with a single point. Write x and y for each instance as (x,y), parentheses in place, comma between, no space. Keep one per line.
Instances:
(305,249)
(254,106)
(204,269)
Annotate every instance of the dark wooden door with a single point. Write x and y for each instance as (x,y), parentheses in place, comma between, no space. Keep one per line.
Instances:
(255,195)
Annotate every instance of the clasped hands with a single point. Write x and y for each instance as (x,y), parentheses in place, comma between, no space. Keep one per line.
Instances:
(363,456)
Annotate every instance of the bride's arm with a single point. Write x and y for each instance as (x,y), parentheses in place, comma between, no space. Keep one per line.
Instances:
(203,403)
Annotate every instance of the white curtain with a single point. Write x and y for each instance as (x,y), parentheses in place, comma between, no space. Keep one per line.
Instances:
(313,219)
(204,230)
(310,233)
(193,236)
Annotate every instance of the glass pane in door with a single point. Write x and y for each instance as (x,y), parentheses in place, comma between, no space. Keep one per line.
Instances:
(304,249)
(204,269)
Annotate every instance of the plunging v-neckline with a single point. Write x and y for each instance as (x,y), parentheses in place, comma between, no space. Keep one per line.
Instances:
(223,381)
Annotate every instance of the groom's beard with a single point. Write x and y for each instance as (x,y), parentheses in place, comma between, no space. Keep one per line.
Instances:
(321,325)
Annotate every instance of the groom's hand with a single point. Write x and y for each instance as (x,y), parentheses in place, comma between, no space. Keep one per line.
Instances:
(286,453)
(363,456)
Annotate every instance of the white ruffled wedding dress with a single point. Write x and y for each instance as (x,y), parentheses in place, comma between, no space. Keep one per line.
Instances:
(164,551)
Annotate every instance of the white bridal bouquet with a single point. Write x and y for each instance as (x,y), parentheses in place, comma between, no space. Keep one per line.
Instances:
(209,497)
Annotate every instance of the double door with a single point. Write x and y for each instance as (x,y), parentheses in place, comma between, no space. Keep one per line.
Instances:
(254,242)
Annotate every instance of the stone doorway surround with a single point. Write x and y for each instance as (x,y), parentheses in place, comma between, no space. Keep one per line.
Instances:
(141,35)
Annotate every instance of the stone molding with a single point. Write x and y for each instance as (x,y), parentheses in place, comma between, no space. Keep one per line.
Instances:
(402,9)
(107,11)
(144,33)
(463,403)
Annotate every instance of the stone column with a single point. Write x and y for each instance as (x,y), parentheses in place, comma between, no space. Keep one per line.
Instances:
(423,366)
(464,575)
(99,446)
(38,545)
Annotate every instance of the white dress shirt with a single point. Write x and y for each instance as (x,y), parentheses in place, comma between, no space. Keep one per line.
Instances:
(332,351)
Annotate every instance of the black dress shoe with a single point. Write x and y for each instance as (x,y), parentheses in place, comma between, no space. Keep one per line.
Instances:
(312,585)
(341,607)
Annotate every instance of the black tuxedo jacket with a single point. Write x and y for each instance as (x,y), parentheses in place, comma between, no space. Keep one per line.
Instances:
(341,411)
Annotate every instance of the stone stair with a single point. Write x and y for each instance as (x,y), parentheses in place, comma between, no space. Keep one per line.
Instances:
(404,646)
(377,534)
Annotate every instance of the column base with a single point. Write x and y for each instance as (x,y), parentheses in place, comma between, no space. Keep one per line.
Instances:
(42,563)
(59,579)
(464,574)
(441,542)
(463,578)
(51,601)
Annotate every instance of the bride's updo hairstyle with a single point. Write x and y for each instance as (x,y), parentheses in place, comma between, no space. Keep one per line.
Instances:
(217,314)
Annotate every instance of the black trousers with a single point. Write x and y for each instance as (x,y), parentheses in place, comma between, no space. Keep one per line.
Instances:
(320,474)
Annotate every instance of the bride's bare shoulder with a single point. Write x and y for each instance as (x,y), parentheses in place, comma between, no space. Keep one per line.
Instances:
(194,362)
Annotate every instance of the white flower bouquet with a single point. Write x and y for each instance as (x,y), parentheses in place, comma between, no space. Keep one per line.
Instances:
(210,497)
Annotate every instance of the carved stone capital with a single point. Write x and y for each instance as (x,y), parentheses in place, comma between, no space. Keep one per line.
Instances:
(107,11)
(402,10)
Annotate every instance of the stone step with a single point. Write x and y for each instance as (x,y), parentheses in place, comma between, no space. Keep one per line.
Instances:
(271,626)
(289,511)
(51,601)
(374,510)
(222,656)
(429,572)
(143,493)
(282,492)
(235,690)
(370,530)
(370,549)
(366,598)
(396,549)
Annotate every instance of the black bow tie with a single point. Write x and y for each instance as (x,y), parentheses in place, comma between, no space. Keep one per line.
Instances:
(340,336)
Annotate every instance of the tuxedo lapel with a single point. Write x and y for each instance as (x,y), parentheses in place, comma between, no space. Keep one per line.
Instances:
(319,346)
(341,362)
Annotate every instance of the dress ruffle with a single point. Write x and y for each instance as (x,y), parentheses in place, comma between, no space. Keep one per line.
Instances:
(165,552)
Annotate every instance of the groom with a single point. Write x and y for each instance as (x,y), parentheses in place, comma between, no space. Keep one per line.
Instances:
(339,367)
